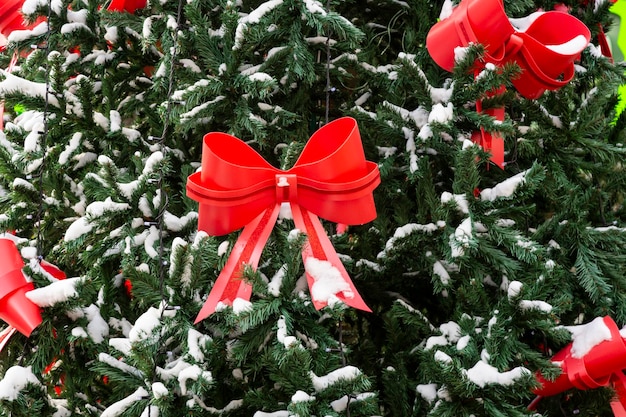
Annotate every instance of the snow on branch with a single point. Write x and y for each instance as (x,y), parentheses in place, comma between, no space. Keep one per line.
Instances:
(13,84)
(15,380)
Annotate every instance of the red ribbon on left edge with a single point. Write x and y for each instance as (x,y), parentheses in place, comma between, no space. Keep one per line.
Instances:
(238,188)
(16,309)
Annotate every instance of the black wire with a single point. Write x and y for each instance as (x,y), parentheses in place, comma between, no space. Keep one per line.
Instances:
(44,139)
(162,191)
(327,68)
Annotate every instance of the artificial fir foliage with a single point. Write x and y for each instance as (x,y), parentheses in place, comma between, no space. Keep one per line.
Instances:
(475,274)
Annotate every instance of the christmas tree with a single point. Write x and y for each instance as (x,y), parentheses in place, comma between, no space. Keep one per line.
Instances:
(140,138)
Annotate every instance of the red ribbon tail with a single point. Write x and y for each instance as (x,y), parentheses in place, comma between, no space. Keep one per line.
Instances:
(9,69)
(247,251)
(5,336)
(325,273)
(618,405)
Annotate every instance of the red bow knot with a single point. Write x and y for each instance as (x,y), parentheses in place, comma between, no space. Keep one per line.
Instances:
(601,366)
(238,188)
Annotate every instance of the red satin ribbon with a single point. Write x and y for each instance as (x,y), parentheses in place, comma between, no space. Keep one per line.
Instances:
(238,188)
(9,70)
(130,6)
(600,367)
(492,142)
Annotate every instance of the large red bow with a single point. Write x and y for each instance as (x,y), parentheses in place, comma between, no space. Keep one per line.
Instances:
(16,309)
(601,366)
(238,188)
(545,51)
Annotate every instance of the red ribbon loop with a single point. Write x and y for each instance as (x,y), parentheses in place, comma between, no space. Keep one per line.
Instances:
(238,188)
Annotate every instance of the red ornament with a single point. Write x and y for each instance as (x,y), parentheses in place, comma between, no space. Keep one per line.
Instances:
(545,51)
(11,17)
(129,6)
(129,287)
(52,270)
(15,309)
(238,188)
(491,141)
(600,367)
(5,336)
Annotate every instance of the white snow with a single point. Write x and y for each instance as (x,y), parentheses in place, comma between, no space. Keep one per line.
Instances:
(342,403)
(571,47)
(195,343)
(121,344)
(450,333)
(159,390)
(504,189)
(446,9)
(56,292)
(280,413)
(145,325)
(440,271)
(261,77)
(98,208)
(301,396)
(442,357)
(328,280)
(514,289)
(459,199)
(189,64)
(535,305)
(586,336)
(118,408)
(118,364)
(97,328)
(281,334)
(223,248)
(15,380)
(175,223)
(70,148)
(193,372)
(483,374)
(461,238)
(151,162)
(346,373)
(241,306)
(73,27)
(427,391)
(22,35)
(463,342)
(441,114)
(78,228)
(276,282)
(254,17)
(314,6)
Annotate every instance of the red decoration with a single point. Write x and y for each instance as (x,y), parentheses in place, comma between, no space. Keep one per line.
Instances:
(238,188)
(129,6)
(11,17)
(5,336)
(600,367)
(15,309)
(545,51)
(491,141)
(9,70)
